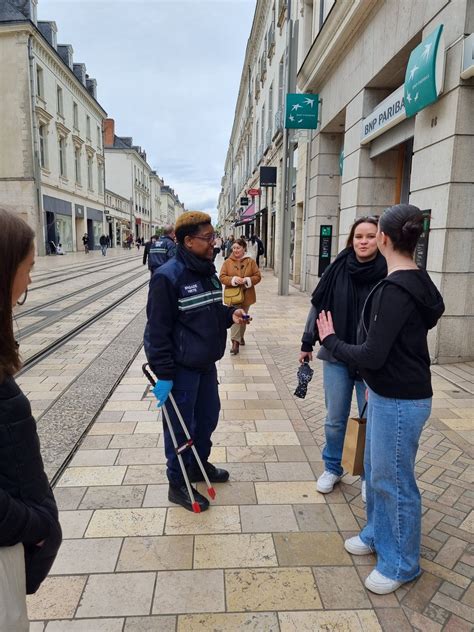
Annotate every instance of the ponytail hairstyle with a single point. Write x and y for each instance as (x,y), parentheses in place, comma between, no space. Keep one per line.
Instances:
(403,223)
(16,241)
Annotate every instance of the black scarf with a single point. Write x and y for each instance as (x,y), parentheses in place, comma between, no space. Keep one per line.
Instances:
(343,289)
(202,266)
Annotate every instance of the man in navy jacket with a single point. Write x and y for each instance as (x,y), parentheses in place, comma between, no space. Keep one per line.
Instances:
(160,249)
(185,335)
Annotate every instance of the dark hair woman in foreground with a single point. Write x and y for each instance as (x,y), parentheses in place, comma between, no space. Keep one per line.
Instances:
(394,361)
(30,534)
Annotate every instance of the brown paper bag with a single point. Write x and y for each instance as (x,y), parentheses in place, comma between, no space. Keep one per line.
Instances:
(354,444)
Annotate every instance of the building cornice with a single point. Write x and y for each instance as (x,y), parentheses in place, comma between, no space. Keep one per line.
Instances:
(332,41)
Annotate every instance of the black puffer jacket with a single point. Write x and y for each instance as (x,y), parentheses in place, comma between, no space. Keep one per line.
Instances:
(28,511)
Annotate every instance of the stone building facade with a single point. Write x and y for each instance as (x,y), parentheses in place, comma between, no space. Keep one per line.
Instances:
(52,160)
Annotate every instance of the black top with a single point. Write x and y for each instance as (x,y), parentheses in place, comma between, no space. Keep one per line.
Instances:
(187,321)
(28,511)
(393,358)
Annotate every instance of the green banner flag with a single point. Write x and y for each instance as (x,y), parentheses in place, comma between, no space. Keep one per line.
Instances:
(425,73)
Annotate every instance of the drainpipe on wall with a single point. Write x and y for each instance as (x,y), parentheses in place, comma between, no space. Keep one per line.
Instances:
(41,243)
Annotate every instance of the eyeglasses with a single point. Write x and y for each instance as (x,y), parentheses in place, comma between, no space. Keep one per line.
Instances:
(209,238)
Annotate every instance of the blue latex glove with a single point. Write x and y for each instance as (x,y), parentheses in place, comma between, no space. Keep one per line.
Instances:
(161,390)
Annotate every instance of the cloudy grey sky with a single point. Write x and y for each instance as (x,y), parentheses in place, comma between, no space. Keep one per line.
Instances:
(168,72)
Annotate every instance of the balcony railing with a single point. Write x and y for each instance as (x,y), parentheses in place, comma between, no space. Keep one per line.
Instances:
(268,139)
(278,121)
(282,4)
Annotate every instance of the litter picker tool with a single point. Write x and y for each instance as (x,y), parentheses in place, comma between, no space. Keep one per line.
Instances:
(180,449)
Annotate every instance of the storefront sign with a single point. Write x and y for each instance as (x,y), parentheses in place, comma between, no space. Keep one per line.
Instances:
(325,241)
(388,113)
(244,201)
(425,73)
(301,111)
(253,192)
(468,57)
(268,176)
(421,250)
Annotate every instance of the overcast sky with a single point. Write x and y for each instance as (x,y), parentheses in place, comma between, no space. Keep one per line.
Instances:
(168,72)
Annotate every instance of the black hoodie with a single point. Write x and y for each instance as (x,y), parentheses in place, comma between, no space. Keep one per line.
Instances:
(392,356)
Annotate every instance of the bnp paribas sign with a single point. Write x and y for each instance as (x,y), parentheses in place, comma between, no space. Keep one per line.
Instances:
(425,73)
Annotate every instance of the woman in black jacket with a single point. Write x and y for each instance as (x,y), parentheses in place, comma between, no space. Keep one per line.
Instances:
(343,289)
(394,361)
(28,511)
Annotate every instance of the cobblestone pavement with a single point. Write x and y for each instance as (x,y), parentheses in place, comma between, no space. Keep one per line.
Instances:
(269,553)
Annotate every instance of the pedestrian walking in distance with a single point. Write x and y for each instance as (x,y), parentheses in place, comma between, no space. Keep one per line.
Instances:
(103,244)
(239,275)
(85,241)
(30,534)
(228,246)
(184,337)
(393,359)
(342,290)
(217,247)
(161,250)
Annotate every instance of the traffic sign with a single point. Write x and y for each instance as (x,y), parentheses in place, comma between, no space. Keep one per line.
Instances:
(253,192)
(301,111)
(425,73)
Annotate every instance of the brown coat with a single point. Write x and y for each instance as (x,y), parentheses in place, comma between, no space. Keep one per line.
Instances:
(246,267)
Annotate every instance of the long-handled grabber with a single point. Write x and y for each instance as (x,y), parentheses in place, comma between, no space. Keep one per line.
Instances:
(180,449)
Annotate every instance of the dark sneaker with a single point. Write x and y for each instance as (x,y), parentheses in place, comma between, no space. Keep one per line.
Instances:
(215,474)
(180,496)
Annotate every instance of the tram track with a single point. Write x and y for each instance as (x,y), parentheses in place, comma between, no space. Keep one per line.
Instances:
(64,297)
(84,272)
(59,342)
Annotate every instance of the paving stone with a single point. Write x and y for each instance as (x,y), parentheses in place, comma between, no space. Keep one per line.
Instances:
(126,522)
(74,523)
(289,472)
(123,594)
(393,620)
(234,551)
(450,552)
(271,438)
(268,518)
(69,497)
(135,441)
(89,476)
(287,453)
(86,625)
(455,624)
(94,457)
(99,442)
(344,517)
(113,497)
(179,521)
(311,549)
(284,493)
(231,493)
(314,518)
(451,605)
(229,622)
(80,557)
(57,598)
(342,621)
(150,624)
(251,454)
(156,553)
(145,475)
(421,592)
(189,591)
(267,590)
(340,587)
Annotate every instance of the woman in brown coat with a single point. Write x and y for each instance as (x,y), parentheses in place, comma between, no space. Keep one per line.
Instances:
(240,270)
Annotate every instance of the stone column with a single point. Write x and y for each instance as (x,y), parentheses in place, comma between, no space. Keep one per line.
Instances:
(443,181)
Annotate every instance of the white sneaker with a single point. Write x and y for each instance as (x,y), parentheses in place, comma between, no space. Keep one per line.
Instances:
(355,546)
(381,585)
(327,480)
(363,489)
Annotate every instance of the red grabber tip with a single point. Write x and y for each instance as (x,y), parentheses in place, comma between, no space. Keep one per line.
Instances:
(196,508)
(212,492)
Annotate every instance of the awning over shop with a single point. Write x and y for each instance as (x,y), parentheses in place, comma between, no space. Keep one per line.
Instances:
(249,215)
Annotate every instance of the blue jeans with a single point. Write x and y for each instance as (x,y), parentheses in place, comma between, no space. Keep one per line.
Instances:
(338,387)
(393,501)
(197,397)
(104,250)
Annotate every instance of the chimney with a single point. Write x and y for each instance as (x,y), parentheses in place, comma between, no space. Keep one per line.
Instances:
(49,31)
(91,85)
(27,7)
(66,52)
(80,71)
(109,132)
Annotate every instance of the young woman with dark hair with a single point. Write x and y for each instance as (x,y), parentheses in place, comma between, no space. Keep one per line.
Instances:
(343,289)
(394,361)
(29,526)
